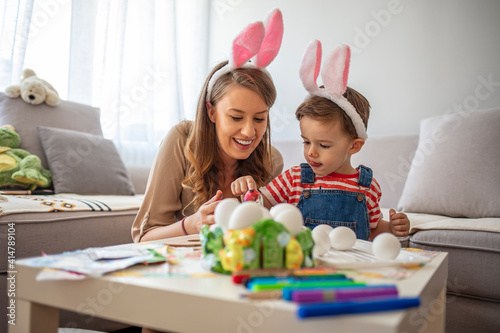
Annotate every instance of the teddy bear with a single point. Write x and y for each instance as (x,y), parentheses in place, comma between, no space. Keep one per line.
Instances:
(19,168)
(33,90)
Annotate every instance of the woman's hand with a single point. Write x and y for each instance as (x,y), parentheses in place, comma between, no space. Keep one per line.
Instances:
(204,215)
(241,185)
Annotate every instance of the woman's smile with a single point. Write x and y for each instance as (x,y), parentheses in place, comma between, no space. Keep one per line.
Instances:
(243,144)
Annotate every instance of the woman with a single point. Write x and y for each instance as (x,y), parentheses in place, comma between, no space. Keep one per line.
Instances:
(198,161)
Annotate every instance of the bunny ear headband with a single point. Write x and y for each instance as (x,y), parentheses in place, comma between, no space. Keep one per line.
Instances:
(260,41)
(334,74)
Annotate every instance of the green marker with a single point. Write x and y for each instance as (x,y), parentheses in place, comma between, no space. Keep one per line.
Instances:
(299,284)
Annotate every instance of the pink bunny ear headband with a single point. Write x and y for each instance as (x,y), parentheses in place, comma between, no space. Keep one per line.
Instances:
(334,74)
(260,41)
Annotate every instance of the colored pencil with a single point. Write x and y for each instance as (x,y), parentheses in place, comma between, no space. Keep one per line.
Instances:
(273,294)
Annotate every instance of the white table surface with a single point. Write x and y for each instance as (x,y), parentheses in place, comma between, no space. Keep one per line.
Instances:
(212,304)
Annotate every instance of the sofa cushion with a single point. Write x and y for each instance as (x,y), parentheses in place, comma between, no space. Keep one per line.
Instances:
(465,315)
(473,259)
(84,163)
(390,159)
(139,177)
(419,221)
(455,170)
(26,117)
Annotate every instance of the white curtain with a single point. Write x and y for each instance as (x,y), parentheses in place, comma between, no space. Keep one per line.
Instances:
(14,32)
(142,62)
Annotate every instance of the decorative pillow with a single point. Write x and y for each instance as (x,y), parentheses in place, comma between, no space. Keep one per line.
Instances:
(456,168)
(26,117)
(84,163)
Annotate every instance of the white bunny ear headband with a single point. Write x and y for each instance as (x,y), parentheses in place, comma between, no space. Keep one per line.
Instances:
(334,74)
(259,41)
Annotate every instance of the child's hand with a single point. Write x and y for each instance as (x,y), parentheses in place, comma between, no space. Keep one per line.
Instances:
(399,223)
(241,185)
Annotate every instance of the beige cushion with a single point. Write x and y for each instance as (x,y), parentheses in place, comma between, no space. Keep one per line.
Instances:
(456,168)
(84,163)
(26,117)
(390,159)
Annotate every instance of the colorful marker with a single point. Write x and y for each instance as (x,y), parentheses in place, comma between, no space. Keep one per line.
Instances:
(281,284)
(275,279)
(239,276)
(342,294)
(288,291)
(352,307)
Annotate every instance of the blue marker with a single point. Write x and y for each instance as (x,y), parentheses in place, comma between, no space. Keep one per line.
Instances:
(351,307)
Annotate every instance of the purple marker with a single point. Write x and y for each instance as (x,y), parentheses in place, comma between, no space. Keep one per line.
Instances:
(329,295)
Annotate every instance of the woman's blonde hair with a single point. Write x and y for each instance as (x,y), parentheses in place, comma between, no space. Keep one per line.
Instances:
(205,172)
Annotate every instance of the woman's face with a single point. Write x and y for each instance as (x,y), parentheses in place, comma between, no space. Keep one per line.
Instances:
(240,119)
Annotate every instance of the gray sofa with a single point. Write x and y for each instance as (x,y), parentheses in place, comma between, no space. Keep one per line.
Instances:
(438,200)
(62,231)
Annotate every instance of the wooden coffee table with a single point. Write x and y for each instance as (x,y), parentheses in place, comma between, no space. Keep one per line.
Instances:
(212,304)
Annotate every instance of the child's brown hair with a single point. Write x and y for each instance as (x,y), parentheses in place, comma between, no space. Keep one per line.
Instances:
(322,108)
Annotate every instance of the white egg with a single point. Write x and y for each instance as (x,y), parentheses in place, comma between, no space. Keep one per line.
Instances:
(322,228)
(245,215)
(223,212)
(265,213)
(291,218)
(321,240)
(342,238)
(386,246)
(275,210)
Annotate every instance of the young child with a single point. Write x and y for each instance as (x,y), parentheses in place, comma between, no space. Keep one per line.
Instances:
(328,189)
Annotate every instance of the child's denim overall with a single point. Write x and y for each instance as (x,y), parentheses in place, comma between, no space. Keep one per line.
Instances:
(336,207)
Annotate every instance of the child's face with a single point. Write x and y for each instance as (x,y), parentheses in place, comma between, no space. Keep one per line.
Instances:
(326,147)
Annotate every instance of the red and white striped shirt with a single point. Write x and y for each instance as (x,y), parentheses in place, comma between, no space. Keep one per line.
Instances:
(287,188)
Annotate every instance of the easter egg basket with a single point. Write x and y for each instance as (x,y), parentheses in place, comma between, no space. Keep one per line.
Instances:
(262,244)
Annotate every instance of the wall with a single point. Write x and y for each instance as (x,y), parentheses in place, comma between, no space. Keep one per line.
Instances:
(411,59)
